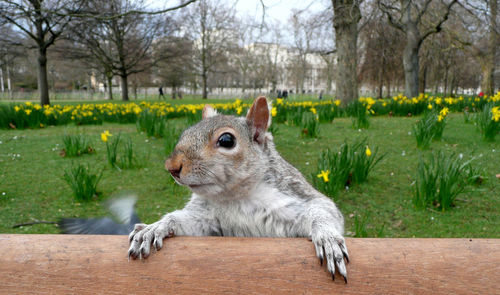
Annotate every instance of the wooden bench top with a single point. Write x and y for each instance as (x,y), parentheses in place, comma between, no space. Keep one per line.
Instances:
(65,264)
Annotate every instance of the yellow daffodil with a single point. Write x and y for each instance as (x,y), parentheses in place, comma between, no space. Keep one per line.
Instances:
(28,112)
(337,102)
(368,152)
(105,135)
(444,111)
(495,114)
(442,114)
(274,112)
(324,175)
(429,107)
(313,110)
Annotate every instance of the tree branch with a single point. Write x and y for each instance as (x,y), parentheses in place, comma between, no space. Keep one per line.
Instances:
(423,10)
(437,28)
(386,10)
(120,15)
(18,25)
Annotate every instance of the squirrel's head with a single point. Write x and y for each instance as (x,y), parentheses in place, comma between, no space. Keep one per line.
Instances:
(222,157)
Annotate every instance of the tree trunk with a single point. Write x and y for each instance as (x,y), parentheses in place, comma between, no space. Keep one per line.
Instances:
(329,80)
(452,84)
(204,81)
(124,87)
(423,81)
(445,81)
(488,67)
(487,78)
(43,84)
(1,80)
(410,61)
(388,87)
(8,82)
(110,87)
(381,80)
(347,16)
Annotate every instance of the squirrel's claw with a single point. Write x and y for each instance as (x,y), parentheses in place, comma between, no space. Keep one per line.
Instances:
(332,249)
(344,251)
(144,236)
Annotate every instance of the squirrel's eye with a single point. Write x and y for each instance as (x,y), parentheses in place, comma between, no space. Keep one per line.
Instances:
(226,140)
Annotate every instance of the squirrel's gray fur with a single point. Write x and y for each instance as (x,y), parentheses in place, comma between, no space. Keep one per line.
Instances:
(248,190)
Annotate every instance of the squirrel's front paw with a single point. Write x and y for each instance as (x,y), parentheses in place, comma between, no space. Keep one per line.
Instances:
(144,235)
(331,247)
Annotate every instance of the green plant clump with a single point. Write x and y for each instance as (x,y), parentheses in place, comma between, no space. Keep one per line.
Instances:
(76,145)
(171,136)
(309,125)
(124,158)
(430,127)
(151,123)
(350,164)
(440,179)
(488,122)
(82,182)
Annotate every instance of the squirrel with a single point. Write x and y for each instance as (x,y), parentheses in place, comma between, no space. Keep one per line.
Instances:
(242,187)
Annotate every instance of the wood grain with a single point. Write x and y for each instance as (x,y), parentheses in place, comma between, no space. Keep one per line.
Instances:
(68,264)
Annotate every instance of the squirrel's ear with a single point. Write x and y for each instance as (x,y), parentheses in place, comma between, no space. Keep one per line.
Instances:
(208,111)
(258,118)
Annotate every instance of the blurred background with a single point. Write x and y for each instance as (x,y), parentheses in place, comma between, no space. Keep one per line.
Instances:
(127,49)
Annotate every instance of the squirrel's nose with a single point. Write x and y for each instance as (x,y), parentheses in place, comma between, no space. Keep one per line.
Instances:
(175,171)
(174,167)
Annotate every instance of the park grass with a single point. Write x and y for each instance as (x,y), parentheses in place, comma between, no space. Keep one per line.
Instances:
(34,188)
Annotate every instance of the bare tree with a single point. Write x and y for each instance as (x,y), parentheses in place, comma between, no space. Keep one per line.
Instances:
(381,62)
(37,20)
(480,19)
(175,66)
(303,28)
(118,45)
(269,58)
(417,20)
(246,57)
(210,24)
(11,48)
(488,66)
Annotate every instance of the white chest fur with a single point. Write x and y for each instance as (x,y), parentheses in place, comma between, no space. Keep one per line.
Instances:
(265,213)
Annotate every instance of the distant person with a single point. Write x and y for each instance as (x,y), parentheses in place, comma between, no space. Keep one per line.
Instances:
(285,94)
(160,90)
(320,95)
(179,94)
(279,93)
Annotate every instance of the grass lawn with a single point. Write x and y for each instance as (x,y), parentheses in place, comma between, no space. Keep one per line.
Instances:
(32,188)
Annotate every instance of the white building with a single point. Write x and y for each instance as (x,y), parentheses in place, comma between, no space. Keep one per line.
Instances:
(296,71)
